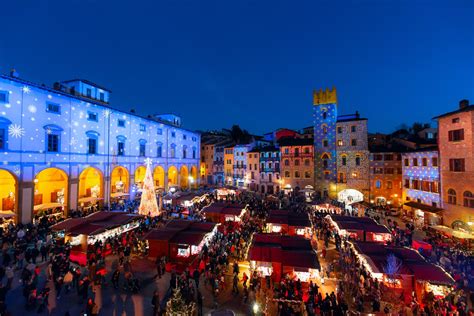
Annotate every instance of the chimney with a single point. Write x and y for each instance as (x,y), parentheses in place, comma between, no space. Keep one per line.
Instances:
(463,104)
(14,73)
(357,114)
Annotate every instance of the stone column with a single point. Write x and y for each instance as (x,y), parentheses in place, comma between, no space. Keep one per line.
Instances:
(107,190)
(26,193)
(73,192)
(165,179)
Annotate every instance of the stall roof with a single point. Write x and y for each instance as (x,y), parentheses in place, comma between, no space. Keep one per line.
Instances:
(359,223)
(161,234)
(103,220)
(452,232)
(188,238)
(289,218)
(424,207)
(181,232)
(412,262)
(300,259)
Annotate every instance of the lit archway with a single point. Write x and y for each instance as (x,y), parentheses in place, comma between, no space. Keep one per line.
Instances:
(8,192)
(119,181)
(350,196)
(159,177)
(194,175)
(51,192)
(140,176)
(184,177)
(91,184)
(172,176)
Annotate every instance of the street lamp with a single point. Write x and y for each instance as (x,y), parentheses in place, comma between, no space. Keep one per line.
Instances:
(255,308)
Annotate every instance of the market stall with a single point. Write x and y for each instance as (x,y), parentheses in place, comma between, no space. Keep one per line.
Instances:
(179,240)
(423,214)
(276,256)
(221,212)
(49,209)
(359,228)
(99,226)
(402,270)
(462,237)
(6,218)
(325,207)
(288,223)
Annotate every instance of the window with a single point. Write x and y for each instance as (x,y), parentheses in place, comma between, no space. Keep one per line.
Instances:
(173,151)
(184,137)
(121,123)
(307,162)
(92,116)
(297,152)
(468,199)
(92,146)
(297,162)
(121,145)
(53,108)
(89,92)
(353,129)
(142,128)
(194,152)
(452,196)
(306,150)
(344,160)
(262,166)
(185,152)
(424,162)
(327,175)
(434,161)
(455,120)
(4,96)
(325,129)
(388,157)
(101,96)
(325,115)
(435,187)
(339,130)
(378,184)
(307,174)
(389,171)
(353,142)
(339,142)
(425,186)
(159,131)
(456,135)
(194,139)
(287,174)
(415,162)
(407,162)
(53,143)
(407,183)
(378,170)
(378,157)
(342,177)
(415,184)
(355,175)
(325,143)
(357,160)
(173,134)
(159,150)
(53,138)
(2,138)
(325,158)
(456,165)
(142,148)
(287,162)
(297,174)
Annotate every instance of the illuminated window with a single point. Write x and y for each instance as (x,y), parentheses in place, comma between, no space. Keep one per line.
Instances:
(451,196)
(307,174)
(325,129)
(342,177)
(378,184)
(389,185)
(468,199)
(339,142)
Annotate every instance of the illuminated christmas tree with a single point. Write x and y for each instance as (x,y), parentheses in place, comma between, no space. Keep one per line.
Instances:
(176,306)
(148,204)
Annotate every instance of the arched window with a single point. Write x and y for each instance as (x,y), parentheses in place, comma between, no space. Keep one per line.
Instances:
(468,199)
(325,159)
(142,148)
(121,145)
(451,196)
(287,174)
(185,151)
(325,129)
(344,160)
(194,152)
(297,174)
(378,184)
(325,114)
(92,140)
(297,162)
(173,151)
(159,149)
(287,162)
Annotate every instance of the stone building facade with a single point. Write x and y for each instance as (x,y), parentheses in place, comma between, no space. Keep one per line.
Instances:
(296,163)
(456,149)
(386,177)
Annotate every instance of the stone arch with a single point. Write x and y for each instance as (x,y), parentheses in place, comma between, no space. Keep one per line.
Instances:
(119,180)
(91,183)
(172,176)
(159,177)
(51,191)
(194,175)
(9,192)
(184,177)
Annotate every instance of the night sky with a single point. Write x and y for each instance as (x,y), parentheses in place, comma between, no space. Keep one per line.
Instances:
(252,63)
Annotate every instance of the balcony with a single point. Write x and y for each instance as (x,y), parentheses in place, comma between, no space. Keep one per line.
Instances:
(269,169)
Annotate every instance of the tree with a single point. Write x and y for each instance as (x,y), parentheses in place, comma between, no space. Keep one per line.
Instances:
(240,136)
(148,203)
(177,306)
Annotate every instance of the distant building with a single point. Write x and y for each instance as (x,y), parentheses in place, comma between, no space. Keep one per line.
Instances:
(253,172)
(269,163)
(341,167)
(456,148)
(297,163)
(386,176)
(421,185)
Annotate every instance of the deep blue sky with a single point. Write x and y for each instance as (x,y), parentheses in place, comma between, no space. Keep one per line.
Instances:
(253,63)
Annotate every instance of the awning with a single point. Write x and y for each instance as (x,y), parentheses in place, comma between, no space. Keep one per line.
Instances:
(430,273)
(119,195)
(424,207)
(89,199)
(47,206)
(451,232)
(7,214)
